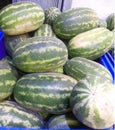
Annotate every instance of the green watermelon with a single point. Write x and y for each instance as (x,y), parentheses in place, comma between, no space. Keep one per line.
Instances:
(7,80)
(45,92)
(51,14)
(40,54)
(11,41)
(110,21)
(44,30)
(14,116)
(64,121)
(21,17)
(79,67)
(75,21)
(92,102)
(8,60)
(91,44)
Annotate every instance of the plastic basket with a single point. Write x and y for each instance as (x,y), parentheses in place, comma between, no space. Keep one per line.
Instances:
(2,48)
(108,61)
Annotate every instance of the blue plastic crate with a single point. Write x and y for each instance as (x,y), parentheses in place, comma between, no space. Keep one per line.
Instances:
(2,48)
(108,61)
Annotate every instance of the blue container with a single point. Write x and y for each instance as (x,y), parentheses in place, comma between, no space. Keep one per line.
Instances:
(108,61)
(2,48)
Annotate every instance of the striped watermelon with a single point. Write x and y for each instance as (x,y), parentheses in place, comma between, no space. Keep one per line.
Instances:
(74,21)
(14,116)
(40,54)
(110,21)
(21,17)
(79,67)
(44,30)
(45,92)
(11,41)
(91,44)
(92,102)
(65,121)
(7,80)
(8,60)
(51,14)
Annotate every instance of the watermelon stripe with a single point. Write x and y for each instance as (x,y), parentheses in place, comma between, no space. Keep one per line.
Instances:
(24,18)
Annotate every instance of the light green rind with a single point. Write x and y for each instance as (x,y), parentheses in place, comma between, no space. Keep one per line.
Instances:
(21,17)
(40,54)
(14,116)
(45,92)
(92,102)
(91,44)
(79,67)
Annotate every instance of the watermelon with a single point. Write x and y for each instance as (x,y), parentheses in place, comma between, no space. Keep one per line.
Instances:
(21,17)
(75,21)
(51,14)
(40,54)
(92,102)
(44,92)
(79,67)
(14,116)
(110,21)
(7,80)
(11,41)
(44,30)
(8,60)
(91,44)
(65,121)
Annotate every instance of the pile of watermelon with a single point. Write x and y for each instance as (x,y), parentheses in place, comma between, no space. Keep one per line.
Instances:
(50,78)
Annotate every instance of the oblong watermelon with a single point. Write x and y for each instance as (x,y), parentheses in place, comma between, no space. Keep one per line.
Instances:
(40,54)
(75,21)
(64,121)
(91,44)
(14,116)
(21,17)
(79,67)
(45,92)
(44,30)
(11,41)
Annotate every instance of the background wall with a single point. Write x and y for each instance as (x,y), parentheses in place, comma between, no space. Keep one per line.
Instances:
(102,7)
